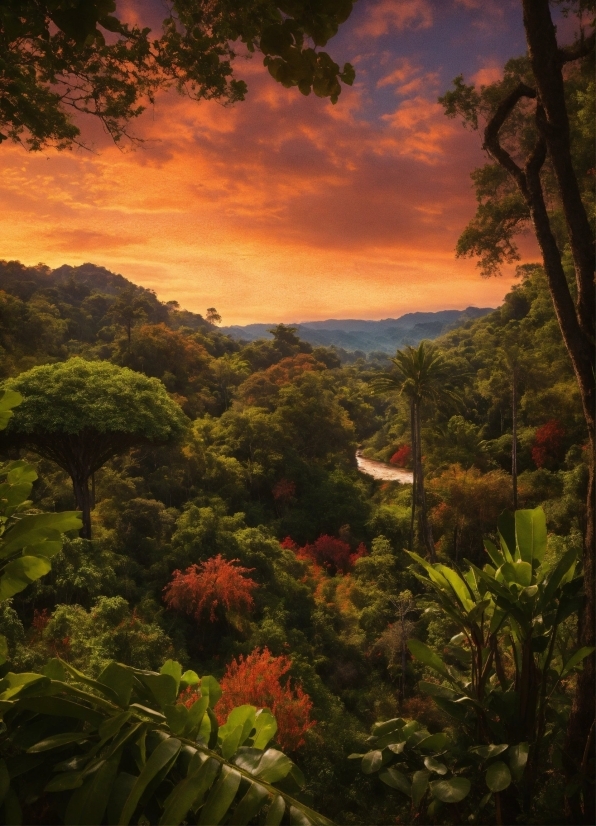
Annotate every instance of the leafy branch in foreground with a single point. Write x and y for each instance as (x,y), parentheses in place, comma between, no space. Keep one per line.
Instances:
(124,749)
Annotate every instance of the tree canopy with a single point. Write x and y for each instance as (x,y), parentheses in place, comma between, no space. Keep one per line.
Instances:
(66,57)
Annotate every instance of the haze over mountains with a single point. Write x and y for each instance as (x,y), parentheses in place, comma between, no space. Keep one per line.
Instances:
(383,336)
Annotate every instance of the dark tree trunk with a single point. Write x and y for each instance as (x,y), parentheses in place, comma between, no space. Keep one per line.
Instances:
(576,319)
(80,485)
(514,439)
(426,536)
(414,474)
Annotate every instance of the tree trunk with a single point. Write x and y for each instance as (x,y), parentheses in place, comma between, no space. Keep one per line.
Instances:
(414,475)
(426,536)
(514,439)
(80,485)
(577,325)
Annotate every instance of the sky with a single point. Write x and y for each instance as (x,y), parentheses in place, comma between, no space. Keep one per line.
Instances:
(285,207)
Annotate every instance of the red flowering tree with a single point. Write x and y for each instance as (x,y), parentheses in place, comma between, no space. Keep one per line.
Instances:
(284,491)
(207,589)
(548,443)
(260,680)
(401,457)
(328,552)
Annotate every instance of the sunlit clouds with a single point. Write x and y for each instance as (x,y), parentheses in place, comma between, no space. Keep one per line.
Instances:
(281,207)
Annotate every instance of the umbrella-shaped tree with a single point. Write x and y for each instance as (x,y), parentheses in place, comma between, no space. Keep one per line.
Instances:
(80,414)
(422,375)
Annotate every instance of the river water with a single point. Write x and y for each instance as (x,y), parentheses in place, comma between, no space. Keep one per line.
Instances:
(383,471)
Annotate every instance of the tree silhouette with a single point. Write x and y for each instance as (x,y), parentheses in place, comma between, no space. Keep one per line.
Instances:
(79,414)
(213,317)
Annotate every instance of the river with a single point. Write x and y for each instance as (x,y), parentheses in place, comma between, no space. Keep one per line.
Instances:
(383,471)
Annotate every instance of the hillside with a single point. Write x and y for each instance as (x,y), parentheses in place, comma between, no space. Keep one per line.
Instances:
(368,336)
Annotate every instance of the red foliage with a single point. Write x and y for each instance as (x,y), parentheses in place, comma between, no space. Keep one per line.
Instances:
(189,696)
(289,544)
(216,582)
(257,680)
(401,457)
(547,442)
(284,490)
(40,620)
(330,553)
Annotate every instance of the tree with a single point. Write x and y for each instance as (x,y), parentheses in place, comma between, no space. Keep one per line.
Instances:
(213,317)
(130,307)
(422,376)
(80,414)
(214,584)
(64,57)
(540,113)
(257,679)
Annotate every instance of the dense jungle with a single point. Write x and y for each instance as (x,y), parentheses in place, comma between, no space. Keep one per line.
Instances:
(241,541)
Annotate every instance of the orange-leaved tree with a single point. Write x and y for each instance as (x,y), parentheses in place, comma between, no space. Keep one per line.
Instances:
(211,589)
(260,680)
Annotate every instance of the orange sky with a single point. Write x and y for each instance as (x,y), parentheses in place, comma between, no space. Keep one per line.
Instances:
(281,208)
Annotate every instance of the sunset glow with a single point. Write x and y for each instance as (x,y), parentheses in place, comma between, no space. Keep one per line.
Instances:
(284,207)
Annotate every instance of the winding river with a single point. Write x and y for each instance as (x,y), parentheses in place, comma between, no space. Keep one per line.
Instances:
(383,471)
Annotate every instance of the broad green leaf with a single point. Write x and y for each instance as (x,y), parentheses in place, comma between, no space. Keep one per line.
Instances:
(265,729)
(231,741)
(274,766)
(93,796)
(435,742)
(450,791)
(394,778)
(518,757)
(530,534)
(36,527)
(61,707)
(389,725)
(20,573)
(220,797)
(249,805)
(119,679)
(54,670)
(436,690)
(276,811)
(8,400)
(110,727)
(486,752)
(163,756)
(575,659)
(522,573)
(189,678)
(163,687)
(189,793)
(372,761)
(65,781)
(241,717)
(495,554)
(423,653)
(174,669)
(435,765)
(177,717)
(95,684)
(498,776)
(460,589)
(195,716)
(419,786)
(210,688)
(506,528)
(58,740)
(298,817)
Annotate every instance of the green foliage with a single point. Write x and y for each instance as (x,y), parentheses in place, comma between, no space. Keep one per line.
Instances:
(123,747)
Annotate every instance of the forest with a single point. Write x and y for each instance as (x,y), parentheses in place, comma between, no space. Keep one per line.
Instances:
(233,533)
(208,612)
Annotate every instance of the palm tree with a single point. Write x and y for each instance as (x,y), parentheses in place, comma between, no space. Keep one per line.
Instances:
(421,374)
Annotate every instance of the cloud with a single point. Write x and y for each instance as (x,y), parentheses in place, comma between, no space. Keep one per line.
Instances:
(387,15)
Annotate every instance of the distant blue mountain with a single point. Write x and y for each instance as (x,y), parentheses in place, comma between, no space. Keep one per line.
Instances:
(384,336)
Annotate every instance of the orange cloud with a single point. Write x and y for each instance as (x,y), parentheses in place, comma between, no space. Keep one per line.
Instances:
(387,15)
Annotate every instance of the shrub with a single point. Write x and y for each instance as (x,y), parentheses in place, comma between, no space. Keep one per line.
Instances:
(547,443)
(401,457)
(258,679)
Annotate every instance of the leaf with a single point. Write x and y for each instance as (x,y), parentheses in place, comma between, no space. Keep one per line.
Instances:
(522,573)
(265,729)
(372,761)
(20,573)
(189,792)
(435,742)
(58,740)
(274,766)
(242,718)
(458,585)
(575,659)
(174,669)
(220,797)
(518,757)
(163,756)
(119,679)
(163,687)
(495,554)
(450,791)
(177,717)
(92,798)
(394,778)
(210,688)
(419,786)
(110,727)
(530,534)
(195,717)
(435,766)
(388,725)
(189,678)
(498,776)
(486,752)
(506,528)
(61,707)
(249,806)
(436,690)
(423,653)
(276,811)
(36,527)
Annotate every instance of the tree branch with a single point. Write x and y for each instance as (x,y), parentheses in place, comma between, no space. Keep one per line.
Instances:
(567,54)
(491,133)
